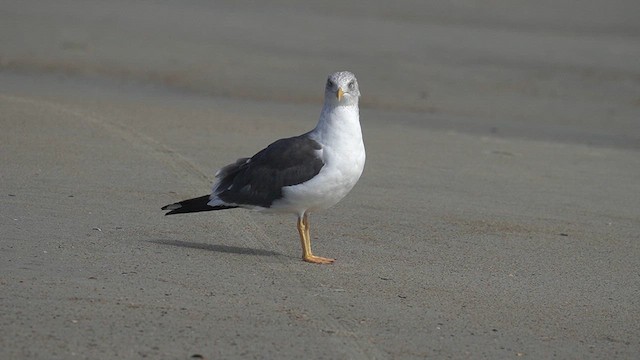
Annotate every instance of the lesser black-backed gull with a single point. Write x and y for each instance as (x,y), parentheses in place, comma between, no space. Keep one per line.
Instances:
(298,175)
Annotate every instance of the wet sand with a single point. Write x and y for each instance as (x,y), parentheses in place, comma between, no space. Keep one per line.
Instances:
(498,215)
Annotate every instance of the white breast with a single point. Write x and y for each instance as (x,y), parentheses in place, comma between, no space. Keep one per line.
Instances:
(343,153)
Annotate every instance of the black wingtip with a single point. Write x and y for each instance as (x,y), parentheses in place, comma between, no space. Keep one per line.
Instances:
(171,207)
(178,205)
(193,205)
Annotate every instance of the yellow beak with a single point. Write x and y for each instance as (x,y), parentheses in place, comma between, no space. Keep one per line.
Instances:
(339,94)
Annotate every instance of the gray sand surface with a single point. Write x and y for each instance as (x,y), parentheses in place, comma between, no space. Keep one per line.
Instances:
(498,215)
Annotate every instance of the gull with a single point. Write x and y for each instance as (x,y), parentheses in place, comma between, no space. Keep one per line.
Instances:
(300,174)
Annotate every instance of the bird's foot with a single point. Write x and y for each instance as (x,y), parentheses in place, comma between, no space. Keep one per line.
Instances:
(317,259)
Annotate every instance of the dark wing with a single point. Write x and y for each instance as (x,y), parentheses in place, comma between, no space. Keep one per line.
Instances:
(259,180)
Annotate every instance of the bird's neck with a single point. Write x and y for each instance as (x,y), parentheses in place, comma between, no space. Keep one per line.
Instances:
(341,123)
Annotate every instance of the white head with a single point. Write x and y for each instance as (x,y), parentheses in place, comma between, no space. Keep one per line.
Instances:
(342,89)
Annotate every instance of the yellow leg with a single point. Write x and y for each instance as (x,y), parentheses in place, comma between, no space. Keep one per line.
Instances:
(305,241)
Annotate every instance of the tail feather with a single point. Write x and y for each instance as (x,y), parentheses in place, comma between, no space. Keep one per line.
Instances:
(193,205)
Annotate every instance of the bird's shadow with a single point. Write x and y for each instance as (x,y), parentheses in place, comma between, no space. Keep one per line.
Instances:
(217,248)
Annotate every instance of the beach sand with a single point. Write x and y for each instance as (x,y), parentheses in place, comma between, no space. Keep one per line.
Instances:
(498,215)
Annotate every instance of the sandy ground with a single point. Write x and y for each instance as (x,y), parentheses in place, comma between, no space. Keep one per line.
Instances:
(498,215)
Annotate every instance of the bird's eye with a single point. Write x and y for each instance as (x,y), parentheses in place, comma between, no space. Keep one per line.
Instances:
(329,84)
(351,85)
